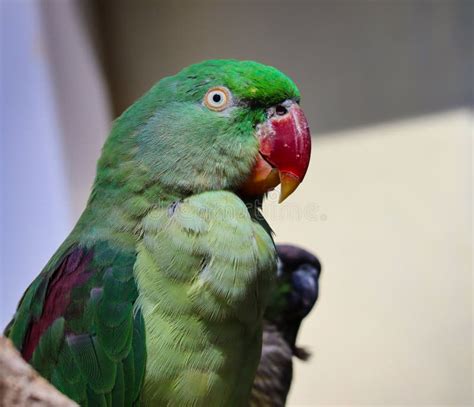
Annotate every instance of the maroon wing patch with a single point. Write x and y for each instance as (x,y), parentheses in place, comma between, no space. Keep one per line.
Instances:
(71,272)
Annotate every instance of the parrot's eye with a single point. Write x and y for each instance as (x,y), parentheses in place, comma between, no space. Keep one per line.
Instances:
(218,98)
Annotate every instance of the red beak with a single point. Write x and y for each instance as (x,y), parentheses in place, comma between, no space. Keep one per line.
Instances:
(285,149)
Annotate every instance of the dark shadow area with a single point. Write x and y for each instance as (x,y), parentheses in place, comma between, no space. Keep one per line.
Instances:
(356,62)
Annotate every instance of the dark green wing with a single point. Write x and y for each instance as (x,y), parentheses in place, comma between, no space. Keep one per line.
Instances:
(77,325)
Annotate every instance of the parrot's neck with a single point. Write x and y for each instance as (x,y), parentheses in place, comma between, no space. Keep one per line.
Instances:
(116,207)
(115,211)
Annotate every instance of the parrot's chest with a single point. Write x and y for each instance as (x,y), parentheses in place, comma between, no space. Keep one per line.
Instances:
(203,271)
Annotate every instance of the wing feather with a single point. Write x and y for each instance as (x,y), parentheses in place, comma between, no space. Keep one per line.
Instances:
(77,325)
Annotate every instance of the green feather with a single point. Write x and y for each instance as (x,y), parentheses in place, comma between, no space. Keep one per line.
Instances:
(98,369)
(96,399)
(138,354)
(118,392)
(67,376)
(48,346)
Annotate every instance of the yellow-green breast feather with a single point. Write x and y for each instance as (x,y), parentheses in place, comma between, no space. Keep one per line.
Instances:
(203,271)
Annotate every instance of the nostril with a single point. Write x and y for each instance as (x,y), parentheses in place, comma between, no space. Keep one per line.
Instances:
(281,110)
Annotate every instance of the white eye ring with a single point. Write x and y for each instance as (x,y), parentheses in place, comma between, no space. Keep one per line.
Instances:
(217,98)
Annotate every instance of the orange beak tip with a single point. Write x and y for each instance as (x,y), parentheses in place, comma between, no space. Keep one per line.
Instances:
(289,183)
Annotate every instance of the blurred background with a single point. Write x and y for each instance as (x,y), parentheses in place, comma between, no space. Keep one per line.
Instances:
(387,205)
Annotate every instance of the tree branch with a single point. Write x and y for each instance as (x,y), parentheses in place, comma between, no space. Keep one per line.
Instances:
(20,385)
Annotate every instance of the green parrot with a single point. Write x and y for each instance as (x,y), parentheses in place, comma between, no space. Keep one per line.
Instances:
(157,295)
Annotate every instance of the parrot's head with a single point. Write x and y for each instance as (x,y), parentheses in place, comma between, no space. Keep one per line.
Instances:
(295,292)
(219,124)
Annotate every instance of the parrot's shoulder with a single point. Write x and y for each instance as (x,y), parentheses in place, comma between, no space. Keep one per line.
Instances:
(77,325)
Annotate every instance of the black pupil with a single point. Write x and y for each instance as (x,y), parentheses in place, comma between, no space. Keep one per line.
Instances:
(281,110)
(216,98)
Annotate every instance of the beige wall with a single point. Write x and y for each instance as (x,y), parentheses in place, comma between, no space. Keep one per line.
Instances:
(388,210)
(356,61)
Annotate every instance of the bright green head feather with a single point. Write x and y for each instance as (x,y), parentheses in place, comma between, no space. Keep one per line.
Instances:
(170,138)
